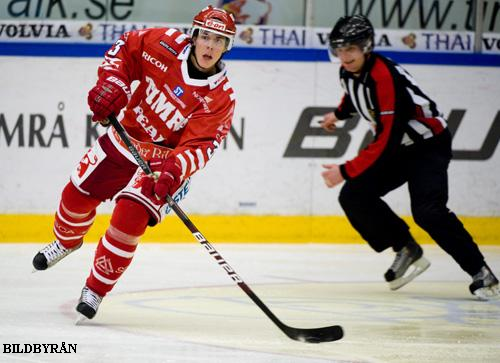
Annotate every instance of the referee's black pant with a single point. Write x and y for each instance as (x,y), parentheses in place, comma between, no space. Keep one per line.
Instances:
(425,168)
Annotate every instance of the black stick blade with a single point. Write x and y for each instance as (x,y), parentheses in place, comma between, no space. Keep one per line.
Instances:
(318,335)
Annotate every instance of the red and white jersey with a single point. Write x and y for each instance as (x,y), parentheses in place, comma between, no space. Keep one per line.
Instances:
(169,108)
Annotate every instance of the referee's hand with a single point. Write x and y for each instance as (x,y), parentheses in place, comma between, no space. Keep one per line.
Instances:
(328,123)
(332,175)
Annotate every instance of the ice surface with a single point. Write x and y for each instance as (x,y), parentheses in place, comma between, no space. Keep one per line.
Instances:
(175,304)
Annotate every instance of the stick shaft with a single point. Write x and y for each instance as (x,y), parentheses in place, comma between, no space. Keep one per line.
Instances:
(190,225)
(289,331)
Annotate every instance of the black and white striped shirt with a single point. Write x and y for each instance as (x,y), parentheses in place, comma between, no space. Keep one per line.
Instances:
(387,96)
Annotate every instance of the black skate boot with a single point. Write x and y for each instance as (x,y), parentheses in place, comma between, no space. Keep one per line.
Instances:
(485,285)
(410,256)
(51,254)
(88,303)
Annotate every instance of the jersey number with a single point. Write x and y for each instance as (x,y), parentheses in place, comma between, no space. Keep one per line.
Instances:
(116,48)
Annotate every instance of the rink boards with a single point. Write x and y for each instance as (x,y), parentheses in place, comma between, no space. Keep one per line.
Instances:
(260,229)
(264,183)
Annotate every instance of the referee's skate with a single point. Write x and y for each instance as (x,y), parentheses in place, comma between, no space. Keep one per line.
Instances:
(408,264)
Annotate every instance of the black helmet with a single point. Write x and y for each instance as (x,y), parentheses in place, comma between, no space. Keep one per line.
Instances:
(351,30)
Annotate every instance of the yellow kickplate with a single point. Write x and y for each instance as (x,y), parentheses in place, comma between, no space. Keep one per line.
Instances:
(230,228)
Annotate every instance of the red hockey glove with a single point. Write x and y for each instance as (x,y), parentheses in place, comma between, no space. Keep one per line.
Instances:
(108,96)
(168,182)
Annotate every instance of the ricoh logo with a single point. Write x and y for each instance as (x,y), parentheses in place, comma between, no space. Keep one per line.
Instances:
(27,348)
(154,61)
(215,25)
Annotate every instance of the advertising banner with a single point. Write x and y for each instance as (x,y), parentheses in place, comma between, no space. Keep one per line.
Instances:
(293,37)
(272,160)
(435,15)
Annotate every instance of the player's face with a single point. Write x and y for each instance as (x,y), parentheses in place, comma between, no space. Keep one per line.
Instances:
(208,49)
(351,58)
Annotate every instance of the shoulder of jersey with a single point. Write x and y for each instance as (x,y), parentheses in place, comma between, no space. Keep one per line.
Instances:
(172,40)
(224,93)
(383,69)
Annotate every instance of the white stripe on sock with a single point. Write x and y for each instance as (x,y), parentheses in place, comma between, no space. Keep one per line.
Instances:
(86,223)
(116,250)
(101,278)
(65,238)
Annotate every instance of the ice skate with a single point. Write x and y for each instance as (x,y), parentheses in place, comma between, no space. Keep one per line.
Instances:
(88,304)
(485,285)
(51,254)
(408,264)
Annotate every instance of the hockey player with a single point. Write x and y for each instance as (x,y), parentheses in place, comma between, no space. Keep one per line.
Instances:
(177,117)
(412,145)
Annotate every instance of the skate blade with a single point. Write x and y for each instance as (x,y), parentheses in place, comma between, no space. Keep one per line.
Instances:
(488,293)
(81,319)
(417,267)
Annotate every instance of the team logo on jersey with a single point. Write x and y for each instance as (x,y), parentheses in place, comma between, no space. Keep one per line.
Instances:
(160,104)
(139,180)
(89,159)
(178,91)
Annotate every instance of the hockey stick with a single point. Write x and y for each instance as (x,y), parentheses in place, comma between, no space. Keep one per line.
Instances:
(317,335)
